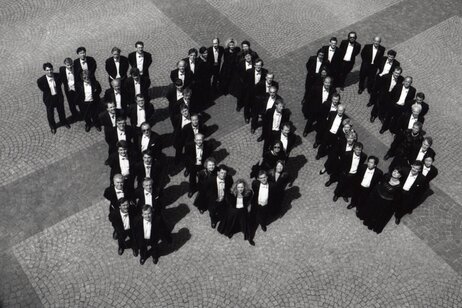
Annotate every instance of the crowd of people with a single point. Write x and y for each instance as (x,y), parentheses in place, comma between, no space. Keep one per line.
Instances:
(135,151)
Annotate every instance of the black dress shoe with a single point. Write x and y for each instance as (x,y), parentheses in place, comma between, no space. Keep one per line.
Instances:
(381,131)
(190,194)
(53,131)
(386,157)
(335,198)
(106,162)
(247,121)
(155,260)
(98,128)
(135,253)
(318,157)
(201,211)
(87,128)
(350,206)
(260,139)
(214,225)
(322,171)
(142,261)
(360,91)
(251,242)
(369,104)
(345,199)
(186,173)
(397,221)
(121,251)
(315,145)
(305,134)
(114,235)
(372,119)
(67,125)
(328,183)
(252,131)
(263,228)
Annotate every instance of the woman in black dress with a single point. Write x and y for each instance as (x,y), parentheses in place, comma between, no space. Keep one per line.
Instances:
(281,178)
(271,157)
(343,145)
(381,203)
(228,69)
(236,218)
(202,177)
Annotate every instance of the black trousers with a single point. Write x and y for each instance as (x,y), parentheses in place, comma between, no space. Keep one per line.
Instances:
(121,239)
(367,72)
(144,248)
(217,210)
(345,69)
(51,113)
(193,177)
(392,116)
(89,113)
(72,101)
(345,185)
(262,214)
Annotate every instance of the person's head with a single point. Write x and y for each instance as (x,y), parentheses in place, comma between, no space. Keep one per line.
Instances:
(146,212)
(198,139)
(335,99)
(352,37)
(245,45)
(273,91)
(419,97)
(230,43)
(135,73)
(286,127)
(372,162)
(111,107)
(416,167)
(320,55)
(68,63)
(210,164)
(391,55)
(269,78)
(351,137)
(194,120)
(203,52)
(179,84)
(416,110)
(397,72)
(123,204)
(86,76)
(280,165)
(427,143)
(240,188)
(258,64)
(222,171)
(215,42)
(187,92)
(118,180)
(139,47)
(333,42)
(48,68)
(122,148)
(116,84)
(147,184)
(192,54)
(248,57)
(428,161)
(407,82)
(181,66)
(340,109)
(263,177)
(82,53)
(146,129)
(184,110)
(323,71)
(346,123)
(279,105)
(115,53)
(377,40)
(121,122)
(327,82)
(277,146)
(396,173)
(140,100)
(416,128)
(358,148)
(147,157)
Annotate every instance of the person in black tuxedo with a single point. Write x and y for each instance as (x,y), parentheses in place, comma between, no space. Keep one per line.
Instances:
(387,64)
(349,166)
(264,88)
(88,91)
(368,176)
(268,99)
(190,61)
(147,193)
(215,57)
(174,95)
(343,145)
(286,136)
(116,66)
(228,68)
(217,187)
(122,220)
(50,85)
(68,78)
(332,130)
(179,121)
(253,80)
(117,190)
(281,178)
(190,130)
(195,155)
(313,68)
(371,56)
(181,73)
(243,67)
(263,200)
(382,93)
(429,171)
(203,176)
(272,122)
(122,162)
(136,84)
(84,63)
(122,132)
(407,120)
(149,229)
(326,108)
(202,78)
(332,55)
(420,153)
(148,168)
(140,59)
(419,100)
(141,112)
(108,118)
(349,49)
(312,105)
(245,49)
(117,94)
(406,145)
(414,182)
(400,98)
(149,141)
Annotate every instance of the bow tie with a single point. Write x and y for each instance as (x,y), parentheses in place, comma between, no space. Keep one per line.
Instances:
(119,191)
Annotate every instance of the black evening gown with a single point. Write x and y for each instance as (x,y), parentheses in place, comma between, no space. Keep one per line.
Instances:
(202,177)
(235,220)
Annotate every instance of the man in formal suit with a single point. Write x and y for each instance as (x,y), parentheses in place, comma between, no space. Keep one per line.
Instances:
(242,68)
(148,168)
(181,73)
(263,198)
(401,97)
(190,61)
(194,155)
(387,63)
(88,92)
(148,194)
(371,56)
(326,107)
(313,68)
(215,57)
(332,55)
(419,101)
(84,63)
(268,100)
(190,130)
(122,220)
(202,77)
(108,118)
(286,136)
(117,190)
(116,66)
(312,105)
(174,94)
(429,171)
(264,88)
(116,94)
(253,80)
(149,141)
(141,112)
(349,163)
(332,130)
(217,187)
(382,93)
(179,121)
(422,152)
(122,162)
(404,144)
(136,84)
(121,132)
(368,176)
(50,85)
(407,120)
(349,49)
(174,109)
(414,182)
(272,122)
(68,78)
(140,59)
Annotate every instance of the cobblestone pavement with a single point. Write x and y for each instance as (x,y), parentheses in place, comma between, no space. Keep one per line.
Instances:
(55,237)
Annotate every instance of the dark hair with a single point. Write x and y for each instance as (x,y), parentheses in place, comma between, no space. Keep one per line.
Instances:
(121,201)
(287,124)
(121,118)
(190,51)
(375,158)
(68,60)
(336,94)
(147,152)
(333,39)
(429,140)
(146,207)
(398,68)
(122,144)
(259,60)
(179,82)
(320,50)
(358,145)
(262,172)
(139,96)
(391,52)
(47,64)
(417,163)
(352,32)
(419,124)
(139,43)
(134,71)
(81,49)
(202,49)
(222,167)
(245,42)
(420,95)
(116,49)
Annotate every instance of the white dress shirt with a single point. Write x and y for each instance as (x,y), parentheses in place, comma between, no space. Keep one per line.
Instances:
(284,141)
(70,79)
(181,76)
(270,103)
(192,66)
(348,147)
(119,193)
(421,154)
(84,65)
(221,189)
(354,164)
(325,94)
(374,53)
(367,178)
(348,53)
(263,194)
(179,95)
(113,119)
(330,54)
(336,124)
(239,202)
(402,97)
(118,99)
(124,165)
(140,116)
(184,121)
(409,181)
(147,197)
(147,229)
(125,220)
(140,62)
(411,122)
(144,143)
(318,65)
(248,65)
(425,170)
(333,107)
(147,170)
(117,65)
(392,84)
(121,135)
(199,152)
(386,68)
(215,54)
(257,77)
(276,120)
(52,85)
(88,92)
(137,87)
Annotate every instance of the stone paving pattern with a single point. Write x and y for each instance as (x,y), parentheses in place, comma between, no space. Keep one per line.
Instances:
(56,241)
